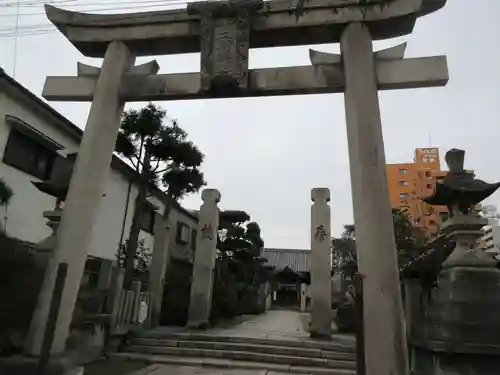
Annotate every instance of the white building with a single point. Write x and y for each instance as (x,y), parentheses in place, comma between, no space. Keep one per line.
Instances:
(31,134)
(491,237)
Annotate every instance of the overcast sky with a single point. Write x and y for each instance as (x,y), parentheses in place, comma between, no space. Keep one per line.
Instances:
(266,154)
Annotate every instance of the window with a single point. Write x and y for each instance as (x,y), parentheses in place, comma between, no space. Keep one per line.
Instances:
(427,174)
(404,195)
(429,186)
(182,234)
(403,171)
(148,219)
(26,154)
(194,234)
(443,216)
(403,183)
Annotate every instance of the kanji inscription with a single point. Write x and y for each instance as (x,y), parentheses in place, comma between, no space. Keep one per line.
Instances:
(225,39)
(206,232)
(320,234)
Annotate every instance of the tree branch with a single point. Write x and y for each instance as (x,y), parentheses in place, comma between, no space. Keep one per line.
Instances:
(156,166)
(134,164)
(163,170)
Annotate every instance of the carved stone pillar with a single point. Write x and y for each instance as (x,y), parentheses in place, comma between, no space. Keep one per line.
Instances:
(204,260)
(321,304)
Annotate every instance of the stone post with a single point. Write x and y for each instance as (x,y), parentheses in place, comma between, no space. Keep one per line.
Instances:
(33,342)
(135,287)
(385,338)
(204,260)
(321,304)
(87,186)
(303,297)
(115,293)
(159,264)
(105,274)
(269,295)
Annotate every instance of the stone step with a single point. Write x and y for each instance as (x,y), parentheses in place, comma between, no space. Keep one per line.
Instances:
(341,343)
(245,356)
(230,364)
(329,353)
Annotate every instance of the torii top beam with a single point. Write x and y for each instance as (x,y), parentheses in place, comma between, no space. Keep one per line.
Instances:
(273,25)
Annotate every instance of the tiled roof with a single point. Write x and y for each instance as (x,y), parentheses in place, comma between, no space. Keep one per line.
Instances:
(297,260)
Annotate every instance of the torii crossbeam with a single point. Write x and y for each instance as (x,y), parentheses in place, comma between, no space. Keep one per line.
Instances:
(223,32)
(321,78)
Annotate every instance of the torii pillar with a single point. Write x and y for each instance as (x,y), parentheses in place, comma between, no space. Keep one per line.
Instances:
(377,259)
(85,191)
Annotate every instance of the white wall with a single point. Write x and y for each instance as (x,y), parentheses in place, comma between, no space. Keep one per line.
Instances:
(24,213)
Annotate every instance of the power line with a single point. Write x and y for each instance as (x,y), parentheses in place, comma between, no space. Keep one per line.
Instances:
(40,3)
(16,39)
(41,29)
(38,29)
(71,3)
(31,3)
(147,4)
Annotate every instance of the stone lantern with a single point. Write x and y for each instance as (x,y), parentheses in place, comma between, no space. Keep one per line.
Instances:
(57,186)
(459,332)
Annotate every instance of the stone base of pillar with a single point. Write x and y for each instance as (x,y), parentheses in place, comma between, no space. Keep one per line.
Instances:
(458,334)
(429,363)
(320,335)
(197,325)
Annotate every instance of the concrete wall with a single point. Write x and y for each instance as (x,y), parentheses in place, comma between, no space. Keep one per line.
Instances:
(23,217)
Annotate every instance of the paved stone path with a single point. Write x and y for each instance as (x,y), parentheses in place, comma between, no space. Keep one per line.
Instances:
(184,370)
(274,324)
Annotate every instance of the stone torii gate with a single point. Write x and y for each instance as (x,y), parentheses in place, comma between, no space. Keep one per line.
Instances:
(224,32)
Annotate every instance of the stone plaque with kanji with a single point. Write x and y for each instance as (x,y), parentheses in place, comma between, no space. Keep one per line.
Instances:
(225,38)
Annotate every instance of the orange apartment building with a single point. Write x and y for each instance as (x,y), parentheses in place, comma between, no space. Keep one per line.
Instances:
(408,183)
